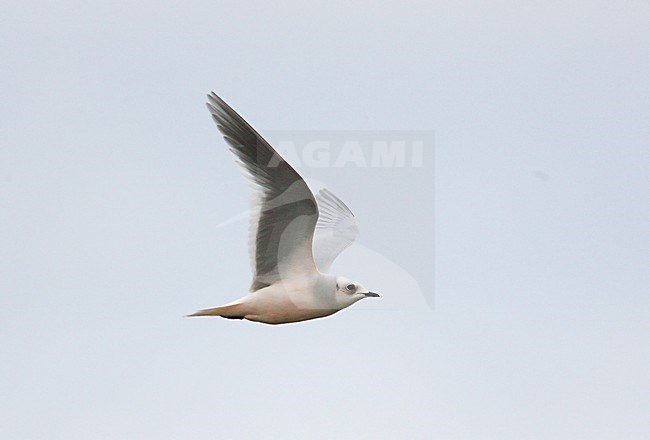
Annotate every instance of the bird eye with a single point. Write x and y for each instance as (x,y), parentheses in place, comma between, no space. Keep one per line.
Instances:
(351,287)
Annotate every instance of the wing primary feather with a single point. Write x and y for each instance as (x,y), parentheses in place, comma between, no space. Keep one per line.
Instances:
(284,210)
(336,229)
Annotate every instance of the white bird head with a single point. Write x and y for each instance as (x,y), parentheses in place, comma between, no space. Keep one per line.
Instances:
(348,292)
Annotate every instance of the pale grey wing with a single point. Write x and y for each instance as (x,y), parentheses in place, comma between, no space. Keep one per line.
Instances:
(283,209)
(336,229)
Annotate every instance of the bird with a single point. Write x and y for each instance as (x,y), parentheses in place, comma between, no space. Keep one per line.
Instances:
(294,235)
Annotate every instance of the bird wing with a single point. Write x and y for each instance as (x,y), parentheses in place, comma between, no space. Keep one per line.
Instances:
(284,212)
(335,231)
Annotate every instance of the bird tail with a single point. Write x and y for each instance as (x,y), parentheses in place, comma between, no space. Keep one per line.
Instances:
(231,311)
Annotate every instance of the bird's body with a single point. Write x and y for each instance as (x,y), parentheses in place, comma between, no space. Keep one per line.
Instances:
(293,300)
(294,235)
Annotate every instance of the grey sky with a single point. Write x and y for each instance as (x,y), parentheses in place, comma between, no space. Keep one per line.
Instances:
(113,179)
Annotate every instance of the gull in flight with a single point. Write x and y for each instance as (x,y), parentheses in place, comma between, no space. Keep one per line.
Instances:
(294,236)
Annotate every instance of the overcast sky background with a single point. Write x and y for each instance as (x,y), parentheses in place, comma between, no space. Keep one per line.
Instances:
(113,179)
